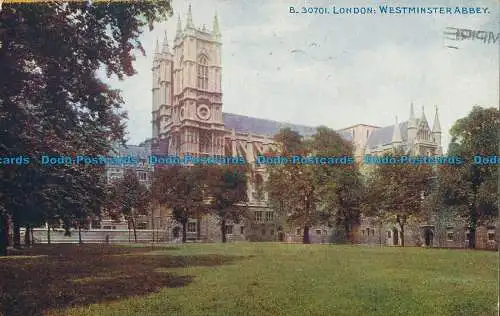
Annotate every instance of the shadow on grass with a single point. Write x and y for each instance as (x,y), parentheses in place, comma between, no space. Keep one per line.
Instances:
(71,275)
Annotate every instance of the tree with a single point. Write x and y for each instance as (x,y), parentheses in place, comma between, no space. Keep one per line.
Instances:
(132,198)
(340,188)
(317,191)
(290,186)
(182,189)
(52,101)
(227,193)
(396,192)
(472,188)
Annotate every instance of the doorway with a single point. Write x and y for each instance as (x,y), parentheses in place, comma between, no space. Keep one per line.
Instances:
(176,231)
(428,236)
(395,237)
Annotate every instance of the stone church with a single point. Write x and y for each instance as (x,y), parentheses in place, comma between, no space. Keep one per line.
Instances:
(188,119)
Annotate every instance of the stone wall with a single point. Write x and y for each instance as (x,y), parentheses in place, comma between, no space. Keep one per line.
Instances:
(98,236)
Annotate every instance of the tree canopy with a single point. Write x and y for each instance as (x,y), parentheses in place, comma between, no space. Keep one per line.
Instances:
(54,102)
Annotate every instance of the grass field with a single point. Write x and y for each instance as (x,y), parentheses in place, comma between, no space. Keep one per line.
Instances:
(248,279)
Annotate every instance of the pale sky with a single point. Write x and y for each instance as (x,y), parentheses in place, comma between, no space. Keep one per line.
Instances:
(345,70)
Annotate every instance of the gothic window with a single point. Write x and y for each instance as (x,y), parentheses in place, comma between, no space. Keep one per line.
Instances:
(203,73)
(191,227)
(229,229)
(204,142)
(449,236)
(269,216)
(491,236)
(166,94)
(259,187)
(258,216)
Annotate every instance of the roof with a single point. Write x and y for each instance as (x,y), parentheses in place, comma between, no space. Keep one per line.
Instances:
(247,124)
(142,152)
(383,135)
(349,127)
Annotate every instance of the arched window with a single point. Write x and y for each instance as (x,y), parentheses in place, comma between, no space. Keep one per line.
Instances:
(203,73)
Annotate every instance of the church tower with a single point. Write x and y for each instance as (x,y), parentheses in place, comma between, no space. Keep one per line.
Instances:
(192,96)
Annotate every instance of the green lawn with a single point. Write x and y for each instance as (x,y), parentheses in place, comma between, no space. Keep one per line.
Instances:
(249,279)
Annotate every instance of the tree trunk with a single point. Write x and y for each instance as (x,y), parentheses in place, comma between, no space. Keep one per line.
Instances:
(80,241)
(48,233)
(473,220)
(6,228)
(27,240)
(305,238)
(4,234)
(32,234)
(346,231)
(472,236)
(402,235)
(380,233)
(198,229)
(135,229)
(223,230)
(17,235)
(184,230)
(153,223)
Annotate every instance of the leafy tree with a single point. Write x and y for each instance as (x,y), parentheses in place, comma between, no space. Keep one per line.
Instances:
(183,190)
(395,193)
(132,198)
(52,101)
(340,188)
(290,186)
(473,188)
(316,192)
(227,193)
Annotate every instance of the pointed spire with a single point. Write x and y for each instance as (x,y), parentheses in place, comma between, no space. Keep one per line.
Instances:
(412,122)
(179,27)
(165,48)
(423,118)
(189,22)
(396,133)
(216,29)
(436,127)
(157,50)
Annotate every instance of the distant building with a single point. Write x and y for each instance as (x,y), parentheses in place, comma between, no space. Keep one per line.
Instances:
(143,169)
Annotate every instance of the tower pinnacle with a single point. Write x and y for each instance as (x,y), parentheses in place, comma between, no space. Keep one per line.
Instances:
(412,122)
(396,133)
(216,28)
(179,27)
(189,22)
(157,50)
(165,48)
(436,127)
(423,118)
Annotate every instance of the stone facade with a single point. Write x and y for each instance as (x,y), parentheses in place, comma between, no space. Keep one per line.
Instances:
(188,119)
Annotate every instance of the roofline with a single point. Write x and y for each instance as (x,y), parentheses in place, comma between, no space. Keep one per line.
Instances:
(358,125)
(271,120)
